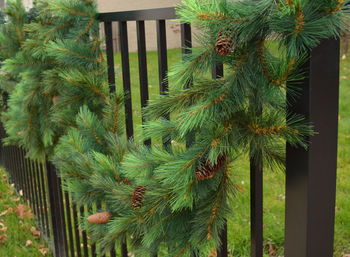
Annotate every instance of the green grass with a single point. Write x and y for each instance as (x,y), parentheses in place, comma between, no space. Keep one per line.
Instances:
(274,182)
(18,231)
(174,56)
(342,220)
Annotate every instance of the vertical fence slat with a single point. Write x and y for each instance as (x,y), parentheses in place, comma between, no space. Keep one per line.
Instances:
(186,44)
(142,57)
(218,72)
(32,173)
(2,148)
(256,200)
(15,167)
(84,235)
(110,55)
(19,169)
(43,190)
(126,75)
(76,229)
(93,250)
(7,162)
(222,251)
(18,177)
(41,204)
(53,210)
(93,245)
(311,174)
(2,135)
(37,193)
(162,56)
(124,251)
(163,67)
(256,209)
(69,223)
(11,166)
(124,48)
(62,213)
(30,181)
(25,175)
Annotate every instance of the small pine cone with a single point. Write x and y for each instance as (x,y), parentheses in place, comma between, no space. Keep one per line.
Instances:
(213,253)
(126,181)
(223,44)
(20,133)
(206,170)
(101,217)
(137,197)
(54,99)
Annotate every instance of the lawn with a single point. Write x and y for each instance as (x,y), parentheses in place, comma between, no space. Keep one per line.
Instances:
(274,192)
(18,233)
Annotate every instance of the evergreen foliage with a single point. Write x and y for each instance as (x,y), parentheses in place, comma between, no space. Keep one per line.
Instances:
(179,196)
(11,33)
(54,66)
(175,196)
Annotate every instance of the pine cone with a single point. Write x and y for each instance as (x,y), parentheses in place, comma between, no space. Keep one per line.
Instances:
(54,99)
(101,217)
(137,197)
(223,44)
(126,181)
(20,133)
(206,170)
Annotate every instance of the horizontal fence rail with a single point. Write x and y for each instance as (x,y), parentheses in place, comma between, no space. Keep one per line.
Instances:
(310,179)
(139,15)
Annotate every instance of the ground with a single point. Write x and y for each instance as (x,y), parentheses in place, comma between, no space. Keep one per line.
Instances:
(19,235)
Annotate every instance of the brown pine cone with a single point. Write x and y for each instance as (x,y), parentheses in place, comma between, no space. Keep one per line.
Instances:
(138,196)
(20,133)
(126,181)
(101,217)
(206,170)
(223,44)
(54,99)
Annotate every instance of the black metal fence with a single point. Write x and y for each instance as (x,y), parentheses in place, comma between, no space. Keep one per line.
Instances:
(310,175)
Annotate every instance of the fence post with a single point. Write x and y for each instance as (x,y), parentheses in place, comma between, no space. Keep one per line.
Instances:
(59,241)
(311,174)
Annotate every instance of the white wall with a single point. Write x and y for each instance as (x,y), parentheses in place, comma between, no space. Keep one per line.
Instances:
(122,5)
(27,3)
(173,28)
